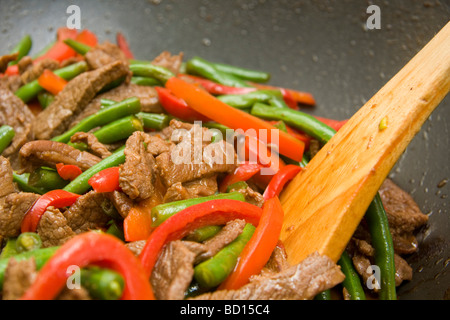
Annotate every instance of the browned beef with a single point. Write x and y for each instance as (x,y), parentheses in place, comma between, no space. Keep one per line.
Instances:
(73,99)
(19,275)
(147,96)
(49,153)
(138,174)
(136,246)
(277,262)
(87,213)
(121,202)
(97,148)
(300,282)
(103,54)
(25,64)
(74,294)
(174,269)
(169,61)
(202,187)
(15,113)
(12,82)
(13,205)
(251,196)
(35,70)
(404,216)
(6,59)
(53,228)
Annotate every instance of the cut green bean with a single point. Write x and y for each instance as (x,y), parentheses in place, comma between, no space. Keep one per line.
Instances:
(79,47)
(146,81)
(103,116)
(102,284)
(163,211)
(28,241)
(154,120)
(107,103)
(384,249)
(80,184)
(212,272)
(45,99)
(22,182)
(7,134)
(153,71)
(30,90)
(206,69)
(352,282)
(324,295)
(119,129)
(46,179)
(203,234)
(115,230)
(243,73)
(9,249)
(22,48)
(247,100)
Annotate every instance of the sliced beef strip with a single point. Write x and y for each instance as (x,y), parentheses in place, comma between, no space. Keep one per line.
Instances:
(138,174)
(25,64)
(12,83)
(49,153)
(19,275)
(300,282)
(173,272)
(147,96)
(251,196)
(15,113)
(73,99)
(53,228)
(6,183)
(103,54)
(35,70)
(169,61)
(202,187)
(404,216)
(95,147)
(136,246)
(277,262)
(87,213)
(121,202)
(6,59)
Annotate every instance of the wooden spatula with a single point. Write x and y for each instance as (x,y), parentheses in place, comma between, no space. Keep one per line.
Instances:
(324,204)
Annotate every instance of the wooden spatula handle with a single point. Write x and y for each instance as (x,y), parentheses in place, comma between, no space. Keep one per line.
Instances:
(325,203)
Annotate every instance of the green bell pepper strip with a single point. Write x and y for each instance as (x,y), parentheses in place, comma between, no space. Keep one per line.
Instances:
(30,90)
(22,182)
(163,211)
(7,134)
(46,179)
(103,116)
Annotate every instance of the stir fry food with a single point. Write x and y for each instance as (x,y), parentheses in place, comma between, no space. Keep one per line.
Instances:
(159,179)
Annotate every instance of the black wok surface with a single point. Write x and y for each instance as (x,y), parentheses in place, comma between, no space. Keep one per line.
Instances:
(323,47)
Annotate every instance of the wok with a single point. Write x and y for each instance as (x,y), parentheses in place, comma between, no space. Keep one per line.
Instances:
(323,47)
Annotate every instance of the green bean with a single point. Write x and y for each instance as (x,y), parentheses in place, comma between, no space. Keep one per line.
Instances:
(28,241)
(154,120)
(46,179)
(79,47)
(237,185)
(40,256)
(115,230)
(352,282)
(243,73)
(324,295)
(136,61)
(103,116)
(146,81)
(23,48)
(80,184)
(202,234)
(103,284)
(384,250)
(206,69)
(213,271)
(153,71)
(163,211)
(247,100)
(297,119)
(7,134)
(31,89)
(45,99)
(119,129)
(9,249)
(107,103)
(22,182)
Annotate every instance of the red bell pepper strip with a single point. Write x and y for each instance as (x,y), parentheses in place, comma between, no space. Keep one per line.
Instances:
(335,124)
(51,82)
(178,107)
(298,96)
(54,198)
(243,172)
(60,51)
(214,87)
(106,180)
(218,111)
(123,45)
(258,250)
(214,212)
(12,70)
(68,171)
(87,37)
(86,249)
(279,180)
